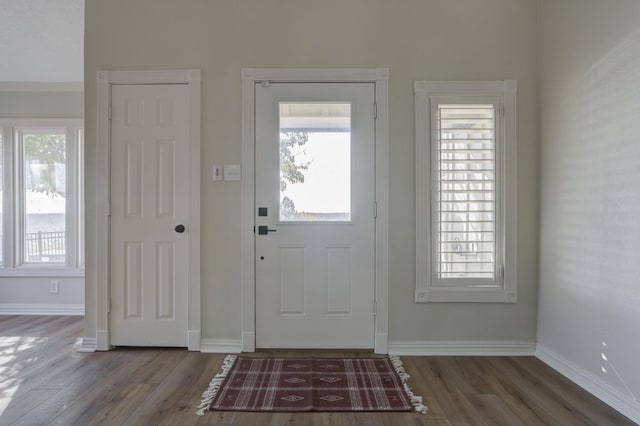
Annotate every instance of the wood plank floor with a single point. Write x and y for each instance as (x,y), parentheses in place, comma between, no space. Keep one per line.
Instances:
(44,380)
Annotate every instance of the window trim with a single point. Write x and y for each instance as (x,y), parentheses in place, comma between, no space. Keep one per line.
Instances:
(427,92)
(13,201)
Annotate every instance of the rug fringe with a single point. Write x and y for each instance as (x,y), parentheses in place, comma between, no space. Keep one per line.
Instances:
(214,386)
(415,399)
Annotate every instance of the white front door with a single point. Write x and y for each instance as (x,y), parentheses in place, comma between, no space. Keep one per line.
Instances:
(149,212)
(315,215)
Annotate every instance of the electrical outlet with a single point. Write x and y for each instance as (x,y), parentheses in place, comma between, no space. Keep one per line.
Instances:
(54,287)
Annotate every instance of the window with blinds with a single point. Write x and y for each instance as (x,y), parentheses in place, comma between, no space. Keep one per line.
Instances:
(465,179)
(466,191)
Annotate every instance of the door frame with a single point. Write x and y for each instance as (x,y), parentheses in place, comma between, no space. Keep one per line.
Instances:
(105,79)
(380,78)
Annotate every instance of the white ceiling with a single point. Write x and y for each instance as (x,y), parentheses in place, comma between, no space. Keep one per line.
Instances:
(41,40)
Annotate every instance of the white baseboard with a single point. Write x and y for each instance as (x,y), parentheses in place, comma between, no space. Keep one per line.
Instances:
(89,344)
(593,384)
(461,348)
(217,346)
(40,309)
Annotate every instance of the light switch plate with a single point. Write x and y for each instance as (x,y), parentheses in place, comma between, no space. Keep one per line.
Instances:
(231,172)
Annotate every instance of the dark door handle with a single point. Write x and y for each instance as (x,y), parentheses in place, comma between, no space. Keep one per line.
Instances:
(180,229)
(264,230)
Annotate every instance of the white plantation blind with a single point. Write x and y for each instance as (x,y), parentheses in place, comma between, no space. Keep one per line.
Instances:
(464,217)
(466,191)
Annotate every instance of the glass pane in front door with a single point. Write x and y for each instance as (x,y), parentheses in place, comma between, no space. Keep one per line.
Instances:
(315,162)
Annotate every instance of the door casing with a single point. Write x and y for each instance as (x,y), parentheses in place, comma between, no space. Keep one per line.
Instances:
(378,76)
(105,79)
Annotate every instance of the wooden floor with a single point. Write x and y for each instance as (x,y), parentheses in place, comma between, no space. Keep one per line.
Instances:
(44,380)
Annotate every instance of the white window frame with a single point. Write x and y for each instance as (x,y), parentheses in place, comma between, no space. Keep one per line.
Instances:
(502,94)
(13,264)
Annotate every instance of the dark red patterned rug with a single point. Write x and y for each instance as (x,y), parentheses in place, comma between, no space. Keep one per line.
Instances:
(310,384)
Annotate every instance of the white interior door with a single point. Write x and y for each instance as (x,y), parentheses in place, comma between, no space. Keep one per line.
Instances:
(315,215)
(149,213)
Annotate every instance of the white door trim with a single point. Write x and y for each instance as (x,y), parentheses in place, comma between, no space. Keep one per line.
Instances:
(104,81)
(379,76)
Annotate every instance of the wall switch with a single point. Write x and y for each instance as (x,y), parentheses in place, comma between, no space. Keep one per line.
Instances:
(232,172)
(54,287)
(217,173)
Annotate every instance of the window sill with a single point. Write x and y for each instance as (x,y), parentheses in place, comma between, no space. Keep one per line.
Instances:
(43,272)
(470,295)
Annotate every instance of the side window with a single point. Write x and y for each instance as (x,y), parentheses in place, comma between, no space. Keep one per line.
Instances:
(465,148)
(40,198)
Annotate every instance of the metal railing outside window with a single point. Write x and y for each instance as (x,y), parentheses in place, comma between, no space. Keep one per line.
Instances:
(45,247)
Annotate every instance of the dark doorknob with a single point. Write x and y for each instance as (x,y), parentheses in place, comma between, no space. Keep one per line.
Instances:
(180,229)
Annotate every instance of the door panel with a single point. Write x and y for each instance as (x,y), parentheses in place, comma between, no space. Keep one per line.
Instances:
(149,197)
(133,280)
(315,266)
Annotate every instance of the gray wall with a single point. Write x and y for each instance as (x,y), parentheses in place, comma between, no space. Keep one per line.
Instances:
(415,39)
(589,311)
(31,295)
(41,105)
(41,40)
(19,292)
